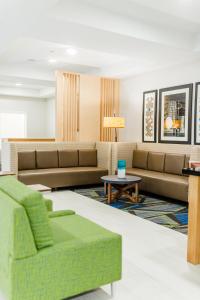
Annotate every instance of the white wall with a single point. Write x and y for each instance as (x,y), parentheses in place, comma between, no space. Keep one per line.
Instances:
(132,94)
(36,111)
(50,104)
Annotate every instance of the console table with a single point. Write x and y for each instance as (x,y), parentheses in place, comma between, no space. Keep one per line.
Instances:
(193,248)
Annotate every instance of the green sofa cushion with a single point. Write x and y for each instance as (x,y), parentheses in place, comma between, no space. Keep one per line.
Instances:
(35,208)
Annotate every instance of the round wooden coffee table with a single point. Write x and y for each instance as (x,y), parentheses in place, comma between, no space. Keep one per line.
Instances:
(124,187)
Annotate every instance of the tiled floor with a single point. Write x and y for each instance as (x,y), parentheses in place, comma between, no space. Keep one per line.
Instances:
(154,257)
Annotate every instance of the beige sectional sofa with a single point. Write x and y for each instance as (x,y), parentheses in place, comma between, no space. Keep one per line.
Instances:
(60,164)
(159,166)
(161,173)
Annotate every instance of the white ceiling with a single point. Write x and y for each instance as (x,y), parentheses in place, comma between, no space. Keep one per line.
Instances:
(115,38)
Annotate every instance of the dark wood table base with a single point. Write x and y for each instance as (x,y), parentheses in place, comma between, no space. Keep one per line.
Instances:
(125,190)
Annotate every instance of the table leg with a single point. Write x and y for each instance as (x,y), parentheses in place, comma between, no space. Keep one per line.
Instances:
(137,192)
(193,251)
(105,188)
(109,193)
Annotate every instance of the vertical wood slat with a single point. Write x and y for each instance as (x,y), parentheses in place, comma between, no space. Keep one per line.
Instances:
(67,106)
(109,105)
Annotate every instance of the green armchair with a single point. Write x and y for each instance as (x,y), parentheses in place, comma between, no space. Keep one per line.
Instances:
(47,255)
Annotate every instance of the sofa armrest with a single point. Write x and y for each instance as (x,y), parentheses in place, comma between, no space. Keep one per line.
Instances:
(9,159)
(124,151)
(49,204)
(60,213)
(104,155)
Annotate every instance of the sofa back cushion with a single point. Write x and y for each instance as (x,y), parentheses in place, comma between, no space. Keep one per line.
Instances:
(88,158)
(26,160)
(34,206)
(156,161)
(68,158)
(174,163)
(47,159)
(140,159)
(16,238)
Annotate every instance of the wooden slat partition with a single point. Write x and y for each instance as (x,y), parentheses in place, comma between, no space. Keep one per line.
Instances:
(67,106)
(109,105)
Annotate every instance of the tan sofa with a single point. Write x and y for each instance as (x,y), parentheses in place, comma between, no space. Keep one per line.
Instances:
(60,164)
(159,166)
(161,173)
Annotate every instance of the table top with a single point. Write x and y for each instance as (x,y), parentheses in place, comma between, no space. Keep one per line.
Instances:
(115,179)
(39,187)
(190,171)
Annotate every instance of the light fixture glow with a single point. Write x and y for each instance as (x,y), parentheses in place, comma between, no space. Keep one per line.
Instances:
(72,51)
(52,60)
(18,84)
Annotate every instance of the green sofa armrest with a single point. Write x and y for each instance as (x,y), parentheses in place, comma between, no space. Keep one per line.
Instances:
(49,204)
(60,213)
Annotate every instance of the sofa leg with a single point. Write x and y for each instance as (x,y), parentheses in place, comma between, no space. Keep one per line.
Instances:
(112,292)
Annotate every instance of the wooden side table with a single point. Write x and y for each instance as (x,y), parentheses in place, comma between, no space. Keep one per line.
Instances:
(124,187)
(193,246)
(7,173)
(39,188)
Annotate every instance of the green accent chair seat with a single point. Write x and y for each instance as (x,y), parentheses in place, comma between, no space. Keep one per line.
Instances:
(73,255)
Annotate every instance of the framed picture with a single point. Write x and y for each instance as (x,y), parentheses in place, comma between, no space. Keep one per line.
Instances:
(149,120)
(175,114)
(197,115)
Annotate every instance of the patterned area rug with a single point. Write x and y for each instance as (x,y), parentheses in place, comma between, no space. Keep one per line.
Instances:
(170,213)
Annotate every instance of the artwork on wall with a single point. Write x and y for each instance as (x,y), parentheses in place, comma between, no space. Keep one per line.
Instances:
(197,115)
(149,116)
(175,114)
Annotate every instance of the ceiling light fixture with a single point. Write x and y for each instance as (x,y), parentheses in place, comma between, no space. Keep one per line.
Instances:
(52,60)
(72,51)
(18,84)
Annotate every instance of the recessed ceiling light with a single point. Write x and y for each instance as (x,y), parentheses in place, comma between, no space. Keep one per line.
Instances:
(52,60)
(72,51)
(32,60)
(18,84)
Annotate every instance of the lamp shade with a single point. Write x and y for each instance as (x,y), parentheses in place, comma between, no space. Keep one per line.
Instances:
(113,122)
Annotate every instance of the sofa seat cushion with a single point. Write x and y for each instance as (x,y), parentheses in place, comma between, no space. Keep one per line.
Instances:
(60,177)
(75,227)
(26,160)
(35,208)
(68,158)
(47,159)
(168,185)
(155,174)
(140,159)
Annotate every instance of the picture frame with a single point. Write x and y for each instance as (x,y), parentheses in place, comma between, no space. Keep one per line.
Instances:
(197,114)
(149,116)
(175,114)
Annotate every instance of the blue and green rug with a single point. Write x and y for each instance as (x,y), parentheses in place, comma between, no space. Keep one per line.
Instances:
(169,213)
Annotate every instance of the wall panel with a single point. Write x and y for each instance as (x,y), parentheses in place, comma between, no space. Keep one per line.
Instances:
(109,106)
